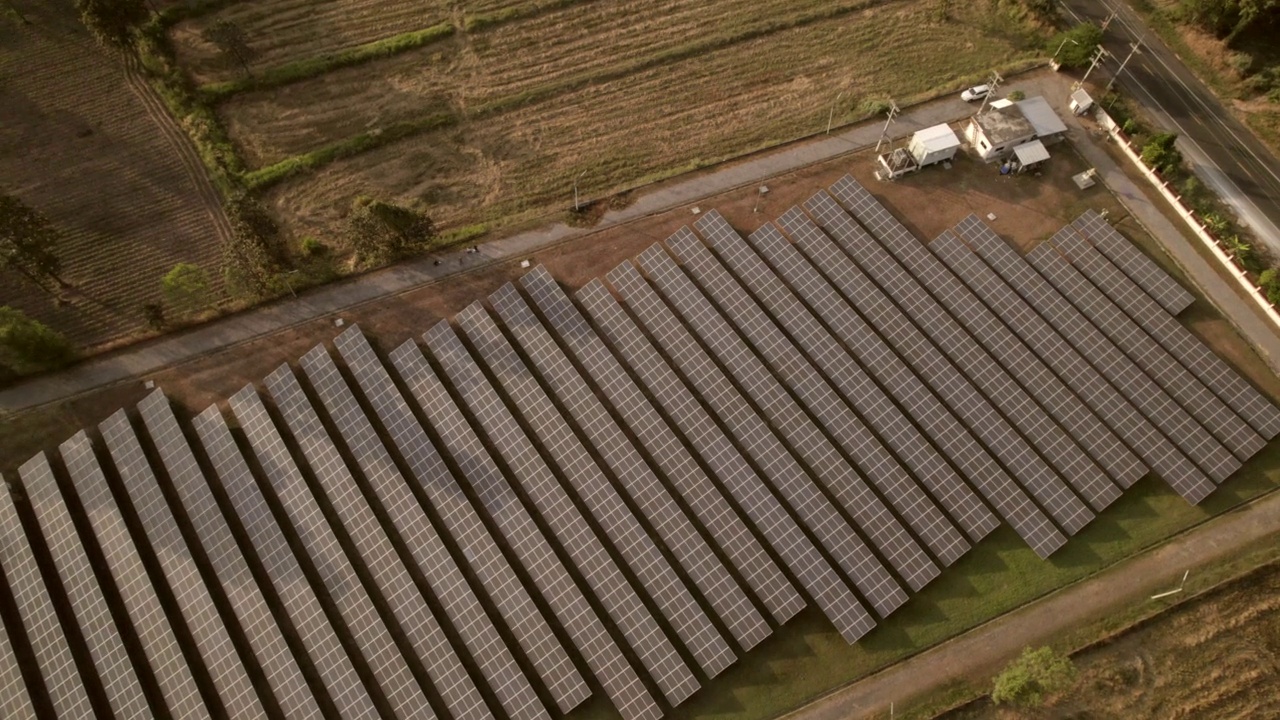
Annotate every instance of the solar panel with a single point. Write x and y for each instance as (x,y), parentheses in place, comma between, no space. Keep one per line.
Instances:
(757,440)
(934,367)
(1107,359)
(156,635)
(1233,390)
(1219,419)
(17,703)
(846,377)
(372,546)
(576,538)
(1239,440)
(875,355)
(426,550)
(1066,361)
(283,675)
(728,466)
(611,668)
(161,530)
(673,526)
(876,584)
(435,487)
(273,552)
(1000,388)
(336,575)
(99,631)
(1140,268)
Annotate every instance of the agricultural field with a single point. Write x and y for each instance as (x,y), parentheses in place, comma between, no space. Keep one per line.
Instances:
(85,143)
(492,122)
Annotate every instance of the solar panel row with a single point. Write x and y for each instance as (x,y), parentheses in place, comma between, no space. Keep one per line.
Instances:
(1137,266)
(934,367)
(677,531)
(942,427)
(213,643)
(435,486)
(756,439)
(1232,389)
(35,606)
(1072,367)
(620,680)
(334,667)
(17,701)
(894,247)
(854,385)
(426,552)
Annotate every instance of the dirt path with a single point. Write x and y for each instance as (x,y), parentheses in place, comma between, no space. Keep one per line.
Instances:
(981,651)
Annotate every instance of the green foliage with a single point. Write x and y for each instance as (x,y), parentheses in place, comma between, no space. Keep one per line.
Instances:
(28,346)
(1269,281)
(1033,676)
(381,232)
(1228,19)
(249,258)
(1017,95)
(231,41)
(113,22)
(311,247)
(186,288)
(874,106)
(28,242)
(1161,154)
(1077,45)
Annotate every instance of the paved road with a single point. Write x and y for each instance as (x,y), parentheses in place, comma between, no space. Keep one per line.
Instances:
(1228,157)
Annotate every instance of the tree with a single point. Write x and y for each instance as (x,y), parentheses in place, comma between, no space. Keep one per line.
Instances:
(1229,19)
(112,22)
(1075,47)
(1161,154)
(1033,676)
(185,287)
(381,232)
(231,41)
(28,243)
(28,346)
(250,256)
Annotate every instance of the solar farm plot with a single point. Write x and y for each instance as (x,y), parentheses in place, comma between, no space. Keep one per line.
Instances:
(372,546)
(101,636)
(334,569)
(349,696)
(435,487)
(1212,370)
(174,675)
(53,655)
(677,531)
(866,571)
(1165,369)
(1148,397)
(576,537)
(880,360)
(848,378)
(728,466)
(904,257)
(1139,268)
(284,677)
(1233,436)
(1066,361)
(756,439)
(426,550)
(935,368)
(213,643)
(606,660)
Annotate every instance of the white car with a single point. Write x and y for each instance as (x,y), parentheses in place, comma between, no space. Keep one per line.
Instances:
(977,92)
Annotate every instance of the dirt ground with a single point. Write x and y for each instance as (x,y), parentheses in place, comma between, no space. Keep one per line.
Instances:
(1217,656)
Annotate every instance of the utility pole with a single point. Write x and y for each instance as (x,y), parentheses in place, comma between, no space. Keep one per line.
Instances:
(893,111)
(1097,57)
(1107,22)
(576,206)
(832,115)
(1133,50)
(993,82)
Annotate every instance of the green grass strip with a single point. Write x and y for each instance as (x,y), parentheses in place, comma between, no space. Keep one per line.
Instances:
(298,70)
(364,142)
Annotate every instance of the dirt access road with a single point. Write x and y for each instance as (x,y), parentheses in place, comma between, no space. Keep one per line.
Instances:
(979,653)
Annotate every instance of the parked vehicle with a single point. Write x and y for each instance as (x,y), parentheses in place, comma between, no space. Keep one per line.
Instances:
(977,92)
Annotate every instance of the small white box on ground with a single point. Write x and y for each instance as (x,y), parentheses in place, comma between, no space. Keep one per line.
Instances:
(524,263)
(339,322)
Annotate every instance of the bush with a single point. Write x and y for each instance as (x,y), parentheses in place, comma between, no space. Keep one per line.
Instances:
(312,246)
(28,346)
(1269,281)
(1017,95)
(1075,47)
(186,288)
(1036,674)
(1161,155)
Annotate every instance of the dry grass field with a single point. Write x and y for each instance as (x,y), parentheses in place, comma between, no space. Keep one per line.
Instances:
(80,143)
(616,92)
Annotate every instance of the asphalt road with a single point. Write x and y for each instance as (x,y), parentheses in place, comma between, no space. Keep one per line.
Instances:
(1227,156)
